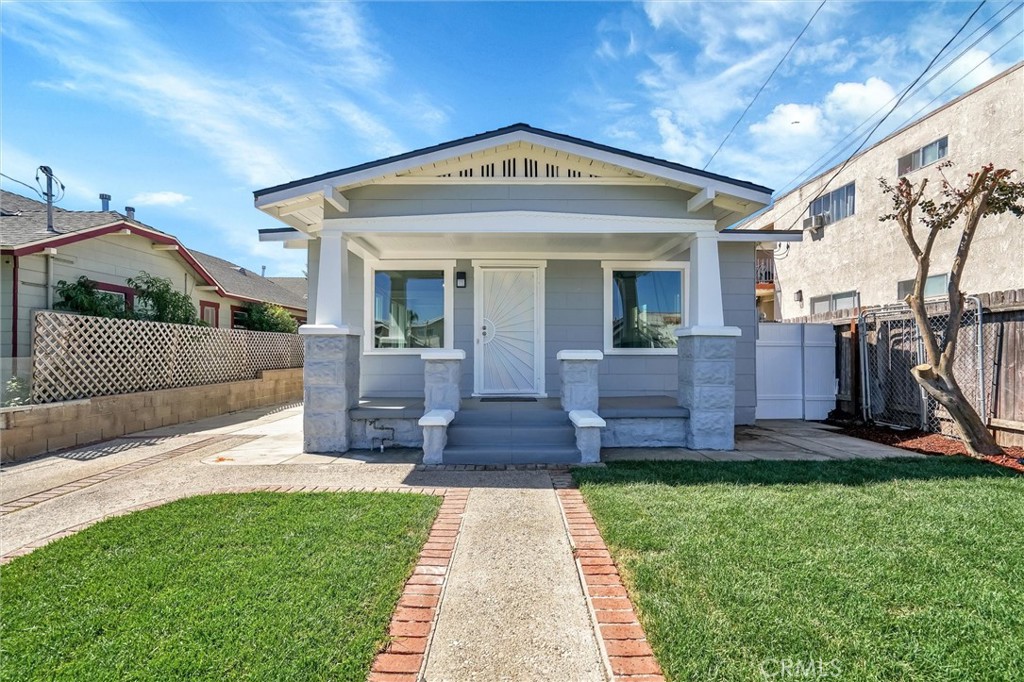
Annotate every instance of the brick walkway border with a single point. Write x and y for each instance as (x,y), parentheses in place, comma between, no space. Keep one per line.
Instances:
(412,624)
(622,641)
(63,489)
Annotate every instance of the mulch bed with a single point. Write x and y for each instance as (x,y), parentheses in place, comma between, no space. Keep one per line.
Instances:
(930,443)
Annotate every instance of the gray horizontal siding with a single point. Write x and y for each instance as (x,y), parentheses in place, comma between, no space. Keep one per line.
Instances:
(574,292)
(402,200)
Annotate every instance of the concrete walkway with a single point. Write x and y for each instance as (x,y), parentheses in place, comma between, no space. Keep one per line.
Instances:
(514,608)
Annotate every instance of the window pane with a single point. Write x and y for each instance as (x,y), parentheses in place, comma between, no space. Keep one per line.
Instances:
(845,301)
(904,289)
(646,308)
(935,285)
(905,164)
(819,305)
(930,154)
(943,145)
(408,309)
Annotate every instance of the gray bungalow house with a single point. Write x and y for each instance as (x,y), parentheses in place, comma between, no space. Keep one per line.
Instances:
(524,296)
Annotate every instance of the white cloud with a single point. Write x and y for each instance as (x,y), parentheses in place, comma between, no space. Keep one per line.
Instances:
(854,102)
(339,31)
(789,124)
(378,136)
(164,198)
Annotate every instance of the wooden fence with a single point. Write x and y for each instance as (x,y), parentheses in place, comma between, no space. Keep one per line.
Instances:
(1002,362)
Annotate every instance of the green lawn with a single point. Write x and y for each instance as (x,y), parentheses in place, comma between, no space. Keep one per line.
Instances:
(258,586)
(894,570)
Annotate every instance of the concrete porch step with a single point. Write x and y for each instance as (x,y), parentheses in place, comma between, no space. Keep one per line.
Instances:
(505,454)
(506,434)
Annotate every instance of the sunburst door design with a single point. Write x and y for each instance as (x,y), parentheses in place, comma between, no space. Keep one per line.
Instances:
(508,331)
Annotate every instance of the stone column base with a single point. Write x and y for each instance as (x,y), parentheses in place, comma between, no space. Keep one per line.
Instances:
(707,386)
(578,372)
(330,388)
(442,372)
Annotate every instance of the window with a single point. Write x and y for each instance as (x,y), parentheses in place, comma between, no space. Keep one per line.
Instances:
(209,312)
(643,306)
(935,285)
(409,306)
(919,158)
(119,290)
(239,318)
(835,205)
(833,302)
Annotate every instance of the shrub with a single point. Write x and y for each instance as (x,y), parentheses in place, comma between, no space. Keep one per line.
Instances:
(82,296)
(269,317)
(156,300)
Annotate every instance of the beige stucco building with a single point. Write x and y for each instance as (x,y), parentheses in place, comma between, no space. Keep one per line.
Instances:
(849,258)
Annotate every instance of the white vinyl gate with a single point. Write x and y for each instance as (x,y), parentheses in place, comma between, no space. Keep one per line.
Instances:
(796,371)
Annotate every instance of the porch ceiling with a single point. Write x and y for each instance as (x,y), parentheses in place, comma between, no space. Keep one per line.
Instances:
(559,246)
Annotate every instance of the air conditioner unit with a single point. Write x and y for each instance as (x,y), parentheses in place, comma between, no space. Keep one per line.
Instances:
(815,222)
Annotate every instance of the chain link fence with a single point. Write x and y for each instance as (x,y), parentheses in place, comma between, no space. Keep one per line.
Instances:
(890,346)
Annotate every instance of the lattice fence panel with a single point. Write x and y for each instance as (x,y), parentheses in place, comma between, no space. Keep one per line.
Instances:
(78,356)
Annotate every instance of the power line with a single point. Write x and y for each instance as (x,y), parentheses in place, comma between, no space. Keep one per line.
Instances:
(823,161)
(934,99)
(763,85)
(894,107)
(34,189)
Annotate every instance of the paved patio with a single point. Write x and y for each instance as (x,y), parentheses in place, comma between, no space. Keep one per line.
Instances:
(513,558)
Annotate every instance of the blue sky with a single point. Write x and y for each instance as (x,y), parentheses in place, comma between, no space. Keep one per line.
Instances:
(182,109)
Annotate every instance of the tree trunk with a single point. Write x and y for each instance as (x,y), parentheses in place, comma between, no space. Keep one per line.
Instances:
(946,391)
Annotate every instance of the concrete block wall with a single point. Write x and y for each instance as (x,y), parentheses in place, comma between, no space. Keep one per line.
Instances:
(38,429)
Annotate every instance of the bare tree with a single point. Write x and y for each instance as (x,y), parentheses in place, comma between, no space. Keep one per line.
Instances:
(987,192)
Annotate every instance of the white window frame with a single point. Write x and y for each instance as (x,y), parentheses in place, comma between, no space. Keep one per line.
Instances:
(371,267)
(683,267)
(831,299)
(917,156)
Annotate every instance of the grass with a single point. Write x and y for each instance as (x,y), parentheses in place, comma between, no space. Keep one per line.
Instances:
(256,586)
(863,570)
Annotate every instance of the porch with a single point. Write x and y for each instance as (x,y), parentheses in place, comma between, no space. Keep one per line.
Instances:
(524,264)
(493,430)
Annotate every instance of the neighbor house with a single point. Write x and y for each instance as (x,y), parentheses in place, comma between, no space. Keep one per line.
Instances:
(519,295)
(849,258)
(109,248)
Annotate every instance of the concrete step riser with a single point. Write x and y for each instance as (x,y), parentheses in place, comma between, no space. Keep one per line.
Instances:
(490,455)
(493,435)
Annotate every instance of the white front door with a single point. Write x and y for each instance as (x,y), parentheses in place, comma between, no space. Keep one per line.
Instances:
(509,329)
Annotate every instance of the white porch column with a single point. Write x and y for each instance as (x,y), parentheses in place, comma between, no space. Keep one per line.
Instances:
(332,278)
(707,353)
(331,369)
(705,282)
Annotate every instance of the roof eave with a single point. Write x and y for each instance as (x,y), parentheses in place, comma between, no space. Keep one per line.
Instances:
(513,134)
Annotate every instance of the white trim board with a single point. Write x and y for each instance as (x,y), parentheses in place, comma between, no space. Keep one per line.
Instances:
(519,222)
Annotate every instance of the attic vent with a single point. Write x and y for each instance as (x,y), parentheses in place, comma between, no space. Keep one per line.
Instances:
(531,167)
(508,168)
(487,170)
(573,173)
(467,173)
(550,170)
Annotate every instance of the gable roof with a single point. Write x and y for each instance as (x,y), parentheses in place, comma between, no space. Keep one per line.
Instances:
(238,282)
(518,130)
(23,232)
(297,285)
(23,220)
